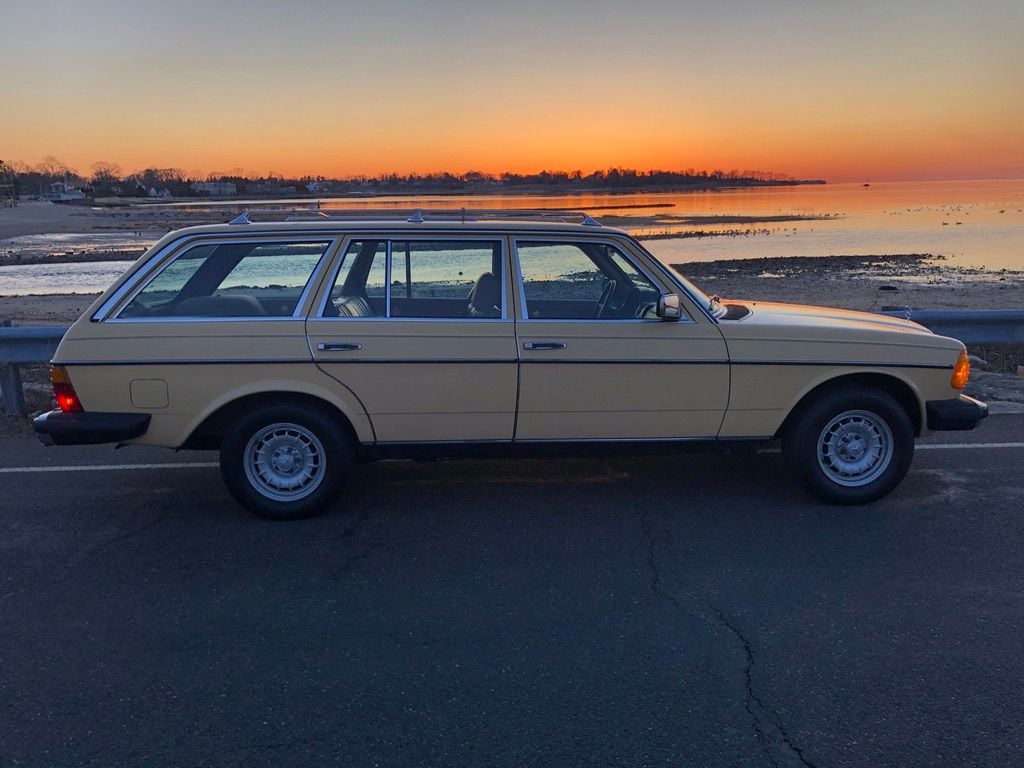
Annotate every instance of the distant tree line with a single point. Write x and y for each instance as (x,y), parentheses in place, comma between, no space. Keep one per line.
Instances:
(108,180)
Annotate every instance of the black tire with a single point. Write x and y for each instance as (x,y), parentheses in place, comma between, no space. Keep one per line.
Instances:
(286,462)
(850,446)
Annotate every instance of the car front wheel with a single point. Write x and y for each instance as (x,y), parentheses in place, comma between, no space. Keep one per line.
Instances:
(850,446)
(285,462)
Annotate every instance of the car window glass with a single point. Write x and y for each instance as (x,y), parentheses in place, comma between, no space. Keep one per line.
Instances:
(230,280)
(446,279)
(166,285)
(360,286)
(577,281)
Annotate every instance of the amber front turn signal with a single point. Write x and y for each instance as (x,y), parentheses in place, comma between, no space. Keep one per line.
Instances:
(67,398)
(961,371)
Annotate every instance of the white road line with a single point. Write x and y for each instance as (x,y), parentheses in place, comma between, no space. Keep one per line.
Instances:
(949,446)
(105,467)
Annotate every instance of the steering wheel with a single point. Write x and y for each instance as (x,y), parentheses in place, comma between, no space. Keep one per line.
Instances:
(602,302)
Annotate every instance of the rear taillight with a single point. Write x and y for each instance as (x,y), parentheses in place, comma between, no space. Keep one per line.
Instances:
(67,398)
(961,371)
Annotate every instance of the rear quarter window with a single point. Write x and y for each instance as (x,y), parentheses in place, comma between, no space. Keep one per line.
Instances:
(242,279)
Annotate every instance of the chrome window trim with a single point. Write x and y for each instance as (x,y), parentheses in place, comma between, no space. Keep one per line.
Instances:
(523,311)
(608,321)
(413,238)
(388,256)
(399,319)
(160,261)
(209,319)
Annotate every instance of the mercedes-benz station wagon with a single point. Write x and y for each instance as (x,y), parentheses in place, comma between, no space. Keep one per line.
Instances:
(296,348)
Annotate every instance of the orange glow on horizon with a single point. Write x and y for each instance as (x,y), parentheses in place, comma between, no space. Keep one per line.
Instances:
(925,93)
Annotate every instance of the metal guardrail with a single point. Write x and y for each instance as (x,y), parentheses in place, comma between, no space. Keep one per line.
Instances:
(972,326)
(23,346)
(35,346)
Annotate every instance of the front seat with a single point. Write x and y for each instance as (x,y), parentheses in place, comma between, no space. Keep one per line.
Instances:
(485,298)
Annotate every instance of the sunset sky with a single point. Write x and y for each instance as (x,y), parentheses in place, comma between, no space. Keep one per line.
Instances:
(868,90)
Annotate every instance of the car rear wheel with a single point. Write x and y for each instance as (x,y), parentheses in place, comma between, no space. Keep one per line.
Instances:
(850,446)
(286,462)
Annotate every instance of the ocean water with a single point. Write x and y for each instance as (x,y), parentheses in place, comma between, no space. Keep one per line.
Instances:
(976,224)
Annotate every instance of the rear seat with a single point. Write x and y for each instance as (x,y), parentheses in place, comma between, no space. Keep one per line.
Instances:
(353,306)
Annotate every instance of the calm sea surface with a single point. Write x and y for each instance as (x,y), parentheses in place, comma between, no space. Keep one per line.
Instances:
(971,223)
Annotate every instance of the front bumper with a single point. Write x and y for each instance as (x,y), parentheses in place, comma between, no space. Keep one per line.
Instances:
(958,414)
(61,428)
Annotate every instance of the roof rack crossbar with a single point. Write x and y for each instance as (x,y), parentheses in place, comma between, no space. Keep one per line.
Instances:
(290,214)
(420,215)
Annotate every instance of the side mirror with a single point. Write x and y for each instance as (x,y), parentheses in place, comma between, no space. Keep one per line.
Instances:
(668,307)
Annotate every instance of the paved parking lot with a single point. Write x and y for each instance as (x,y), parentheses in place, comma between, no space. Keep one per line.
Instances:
(687,610)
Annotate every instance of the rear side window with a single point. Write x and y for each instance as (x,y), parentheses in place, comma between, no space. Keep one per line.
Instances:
(252,279)
(429,279)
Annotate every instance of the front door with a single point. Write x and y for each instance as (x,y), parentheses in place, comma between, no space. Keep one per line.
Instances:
(596,363)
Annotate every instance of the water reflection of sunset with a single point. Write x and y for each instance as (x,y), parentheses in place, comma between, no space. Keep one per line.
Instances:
(922,90)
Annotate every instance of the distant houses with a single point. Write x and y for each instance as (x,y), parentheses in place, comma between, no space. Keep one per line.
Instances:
(62,192)
(215,188)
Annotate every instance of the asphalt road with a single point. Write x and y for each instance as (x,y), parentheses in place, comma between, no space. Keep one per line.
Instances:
(671,611)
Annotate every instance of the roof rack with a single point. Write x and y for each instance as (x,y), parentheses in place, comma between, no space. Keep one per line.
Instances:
(418,215)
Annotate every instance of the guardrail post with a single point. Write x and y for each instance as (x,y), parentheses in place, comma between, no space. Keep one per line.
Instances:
(10,388)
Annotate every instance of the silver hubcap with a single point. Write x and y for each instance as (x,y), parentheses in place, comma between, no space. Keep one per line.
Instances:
(285,462)
(855,448)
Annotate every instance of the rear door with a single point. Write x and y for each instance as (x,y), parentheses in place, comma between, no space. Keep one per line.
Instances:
(596,361)
(419,330)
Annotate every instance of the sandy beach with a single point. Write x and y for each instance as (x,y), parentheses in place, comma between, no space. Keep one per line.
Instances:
(42,218)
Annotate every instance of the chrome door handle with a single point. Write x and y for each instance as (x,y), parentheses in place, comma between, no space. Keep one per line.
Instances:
(338,347)
(543,345)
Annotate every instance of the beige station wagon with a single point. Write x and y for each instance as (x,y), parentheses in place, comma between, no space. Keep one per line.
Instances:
(298,347)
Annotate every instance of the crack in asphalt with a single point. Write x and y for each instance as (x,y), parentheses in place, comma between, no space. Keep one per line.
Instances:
(764,718)
(652,562)
(652,544)
(756,707)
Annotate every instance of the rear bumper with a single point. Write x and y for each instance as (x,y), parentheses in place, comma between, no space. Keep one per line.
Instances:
(60,428)
(958,414)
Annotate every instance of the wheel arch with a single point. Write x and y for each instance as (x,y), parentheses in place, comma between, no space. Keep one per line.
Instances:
(209,428)
(899,388)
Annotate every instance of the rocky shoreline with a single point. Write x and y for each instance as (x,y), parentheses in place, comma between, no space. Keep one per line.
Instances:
(918,280)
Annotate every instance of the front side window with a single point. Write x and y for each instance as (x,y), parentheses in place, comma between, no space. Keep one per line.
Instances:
(442,279)
(581,281)
(252,279)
